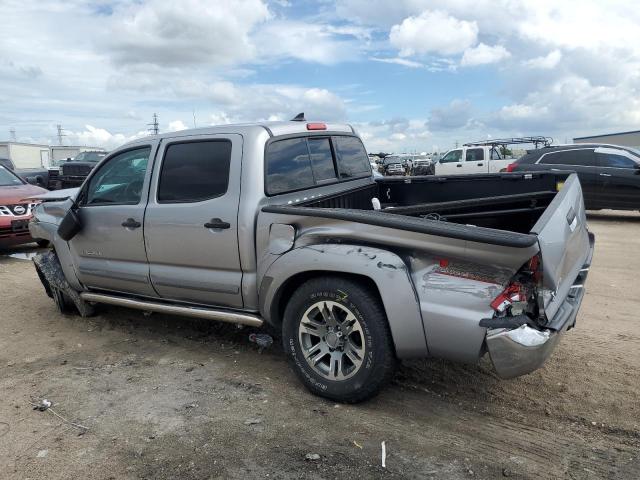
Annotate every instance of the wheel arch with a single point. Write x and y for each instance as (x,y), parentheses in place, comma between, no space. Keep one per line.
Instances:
(382,271)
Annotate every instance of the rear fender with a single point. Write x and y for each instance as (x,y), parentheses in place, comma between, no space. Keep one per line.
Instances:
(385,269)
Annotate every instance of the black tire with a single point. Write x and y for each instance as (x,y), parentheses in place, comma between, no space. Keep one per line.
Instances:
(42,243)
(378,359)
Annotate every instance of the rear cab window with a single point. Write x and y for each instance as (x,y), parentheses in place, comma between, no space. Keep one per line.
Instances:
(304,162)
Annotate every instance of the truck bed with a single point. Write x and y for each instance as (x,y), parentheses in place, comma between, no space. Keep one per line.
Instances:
(497,209)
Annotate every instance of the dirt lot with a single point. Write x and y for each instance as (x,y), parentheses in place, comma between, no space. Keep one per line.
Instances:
(165,397)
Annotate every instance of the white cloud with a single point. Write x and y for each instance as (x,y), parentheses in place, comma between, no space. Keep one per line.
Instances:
(183,33)
(176,126)
(433,32)
(100,137)
(545,62)
(484,54)
(316,43)
(399,61)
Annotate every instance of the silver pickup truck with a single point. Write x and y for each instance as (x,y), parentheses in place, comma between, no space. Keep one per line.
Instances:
(282,223)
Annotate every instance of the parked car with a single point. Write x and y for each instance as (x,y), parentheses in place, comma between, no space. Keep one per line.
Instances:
(35,176)
(279,223)
(72,172)
(609,174)
(15,211)
(422,165)
(471,159)
(392,165)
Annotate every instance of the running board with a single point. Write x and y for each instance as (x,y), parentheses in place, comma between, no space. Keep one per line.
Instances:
(197,312)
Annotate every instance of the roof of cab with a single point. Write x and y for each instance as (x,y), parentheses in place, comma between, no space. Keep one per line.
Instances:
(274,129)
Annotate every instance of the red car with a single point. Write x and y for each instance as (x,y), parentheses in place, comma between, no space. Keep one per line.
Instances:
(15,211)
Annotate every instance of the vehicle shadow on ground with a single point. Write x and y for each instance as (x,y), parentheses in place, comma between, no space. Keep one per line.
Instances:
(436,377)
(20,252)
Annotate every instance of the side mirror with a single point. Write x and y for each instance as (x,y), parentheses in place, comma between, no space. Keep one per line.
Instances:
(31,180)
(70,225)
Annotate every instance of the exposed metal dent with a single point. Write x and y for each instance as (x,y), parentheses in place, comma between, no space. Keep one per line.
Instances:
(195,312)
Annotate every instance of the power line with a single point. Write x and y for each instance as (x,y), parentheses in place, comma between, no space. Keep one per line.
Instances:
(154,128)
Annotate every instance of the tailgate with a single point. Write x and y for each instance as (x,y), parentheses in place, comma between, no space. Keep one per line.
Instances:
(564,244)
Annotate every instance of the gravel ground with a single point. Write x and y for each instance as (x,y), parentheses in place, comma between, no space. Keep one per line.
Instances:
(167,397)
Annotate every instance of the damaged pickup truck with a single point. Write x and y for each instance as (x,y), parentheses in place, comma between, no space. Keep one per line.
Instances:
(282,223)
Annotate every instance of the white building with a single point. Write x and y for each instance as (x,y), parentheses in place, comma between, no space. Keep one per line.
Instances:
(26,155)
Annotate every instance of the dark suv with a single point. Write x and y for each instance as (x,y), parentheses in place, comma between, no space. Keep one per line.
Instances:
(609,174)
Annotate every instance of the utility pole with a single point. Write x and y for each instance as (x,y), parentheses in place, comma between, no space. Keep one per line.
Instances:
(153,126)
(12,134)
(60,134)
(194,118)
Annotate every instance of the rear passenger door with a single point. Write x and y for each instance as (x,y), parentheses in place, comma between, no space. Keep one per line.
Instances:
(583,162)
(475,161)
(191,222)
(619,177)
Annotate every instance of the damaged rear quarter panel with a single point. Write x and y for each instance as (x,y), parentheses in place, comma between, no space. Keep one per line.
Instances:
(456,294)
(386,269)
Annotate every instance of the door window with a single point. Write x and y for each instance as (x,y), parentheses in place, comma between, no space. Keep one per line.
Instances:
(120,180)
(475,154)
(583,158)
(616,161)
(452,157)
(495,155)
(194,171)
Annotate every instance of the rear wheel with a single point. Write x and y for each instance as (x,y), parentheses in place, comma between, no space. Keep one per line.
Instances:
(336,335)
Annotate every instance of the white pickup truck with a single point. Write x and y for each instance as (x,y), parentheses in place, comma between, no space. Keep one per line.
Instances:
(472,159)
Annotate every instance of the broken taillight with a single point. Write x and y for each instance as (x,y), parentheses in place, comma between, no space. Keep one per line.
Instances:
(510,295)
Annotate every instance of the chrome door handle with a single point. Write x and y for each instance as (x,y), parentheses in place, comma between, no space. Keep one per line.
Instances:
(131,223)
(605,174)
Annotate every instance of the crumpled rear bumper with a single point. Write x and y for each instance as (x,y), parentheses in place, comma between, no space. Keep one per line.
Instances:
(524,349)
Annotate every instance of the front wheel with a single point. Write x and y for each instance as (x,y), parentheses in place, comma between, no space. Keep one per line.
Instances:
(337,338)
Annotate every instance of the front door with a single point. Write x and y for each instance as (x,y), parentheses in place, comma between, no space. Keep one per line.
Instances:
(109,252)
(451,163)
(619,178)
(191,223)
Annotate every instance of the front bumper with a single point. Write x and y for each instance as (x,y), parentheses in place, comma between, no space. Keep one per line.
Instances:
(10,235)
(524,349)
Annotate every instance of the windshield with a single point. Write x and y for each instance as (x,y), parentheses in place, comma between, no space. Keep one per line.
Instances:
(8,179)
(389,160)
(89,157)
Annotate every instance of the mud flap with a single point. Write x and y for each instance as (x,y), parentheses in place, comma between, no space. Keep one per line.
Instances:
(52,277)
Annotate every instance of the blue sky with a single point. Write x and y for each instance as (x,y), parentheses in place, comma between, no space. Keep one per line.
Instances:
(409,74)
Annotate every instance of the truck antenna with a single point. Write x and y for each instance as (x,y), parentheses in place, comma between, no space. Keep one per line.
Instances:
(299,118)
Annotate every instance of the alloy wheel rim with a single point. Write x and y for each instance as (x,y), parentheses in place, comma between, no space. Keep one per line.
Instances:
(332,340)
